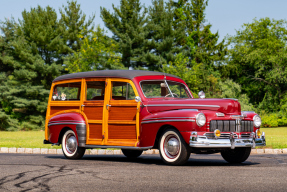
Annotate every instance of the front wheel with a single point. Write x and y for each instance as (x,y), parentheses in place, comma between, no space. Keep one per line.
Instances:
(237,155)
(173,149)
(70,146)
(132,154)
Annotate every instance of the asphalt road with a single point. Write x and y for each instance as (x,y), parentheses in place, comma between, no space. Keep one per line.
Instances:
(24,172)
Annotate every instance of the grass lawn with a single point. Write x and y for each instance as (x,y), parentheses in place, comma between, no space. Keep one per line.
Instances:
(24,139)
(276,138)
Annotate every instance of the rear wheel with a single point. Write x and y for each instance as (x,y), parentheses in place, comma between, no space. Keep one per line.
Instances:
(70,146)
(173,149)
(237,155)
(132,154)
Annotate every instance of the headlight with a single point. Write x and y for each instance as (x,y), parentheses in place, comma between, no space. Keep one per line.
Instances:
(257,121)
(200,119)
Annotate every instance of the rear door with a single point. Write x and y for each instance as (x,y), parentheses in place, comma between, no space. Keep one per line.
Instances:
(93,108)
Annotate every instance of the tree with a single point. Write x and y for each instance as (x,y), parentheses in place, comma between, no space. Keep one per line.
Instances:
(127,25)
(161,44)
(200,45)
(72,23)
(257,61)
(97,52)
(23,95)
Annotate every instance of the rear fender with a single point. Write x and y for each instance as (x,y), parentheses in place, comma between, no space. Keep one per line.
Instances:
(58,125)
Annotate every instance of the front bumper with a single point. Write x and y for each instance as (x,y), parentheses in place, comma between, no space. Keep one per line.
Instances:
(204,142)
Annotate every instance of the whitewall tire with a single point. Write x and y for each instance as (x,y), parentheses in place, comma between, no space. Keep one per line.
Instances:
(70,146)
(173,149)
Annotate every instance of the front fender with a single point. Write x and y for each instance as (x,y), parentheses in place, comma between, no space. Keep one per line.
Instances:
(182,120)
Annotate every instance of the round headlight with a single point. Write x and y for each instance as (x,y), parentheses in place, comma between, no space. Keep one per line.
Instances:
(257,121)
(200,119)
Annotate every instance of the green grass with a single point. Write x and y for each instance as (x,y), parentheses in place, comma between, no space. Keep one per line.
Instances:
(276,138)
(24,139)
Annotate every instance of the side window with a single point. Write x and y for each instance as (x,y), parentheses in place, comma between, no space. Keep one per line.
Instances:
(95,90)
(122,91)
(67,92)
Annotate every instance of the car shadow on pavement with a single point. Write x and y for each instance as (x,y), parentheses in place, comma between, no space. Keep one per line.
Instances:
(204,160)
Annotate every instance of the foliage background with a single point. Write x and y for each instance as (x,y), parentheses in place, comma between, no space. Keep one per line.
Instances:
(169,36)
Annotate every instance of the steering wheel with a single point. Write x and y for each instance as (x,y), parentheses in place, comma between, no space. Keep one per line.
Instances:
(171,94)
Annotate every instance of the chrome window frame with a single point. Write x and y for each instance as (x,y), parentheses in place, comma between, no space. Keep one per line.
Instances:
(166,82)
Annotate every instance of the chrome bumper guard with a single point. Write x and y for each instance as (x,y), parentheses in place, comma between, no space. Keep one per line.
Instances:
(203,142)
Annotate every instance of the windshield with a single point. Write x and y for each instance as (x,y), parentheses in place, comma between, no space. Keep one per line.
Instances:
(153,89)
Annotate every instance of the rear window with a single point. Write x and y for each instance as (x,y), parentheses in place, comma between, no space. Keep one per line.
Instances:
(67,92)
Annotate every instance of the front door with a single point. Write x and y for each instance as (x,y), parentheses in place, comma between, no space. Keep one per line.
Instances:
(123,113)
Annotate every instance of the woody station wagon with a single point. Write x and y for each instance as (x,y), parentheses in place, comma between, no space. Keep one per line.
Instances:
(139,110)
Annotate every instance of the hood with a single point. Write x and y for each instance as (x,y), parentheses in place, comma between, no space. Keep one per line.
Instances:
(226,106)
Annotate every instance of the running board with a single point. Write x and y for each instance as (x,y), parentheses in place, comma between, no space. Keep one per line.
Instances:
(121,147)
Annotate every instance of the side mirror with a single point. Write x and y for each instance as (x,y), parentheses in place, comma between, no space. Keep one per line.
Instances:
(201,95)
(138,99)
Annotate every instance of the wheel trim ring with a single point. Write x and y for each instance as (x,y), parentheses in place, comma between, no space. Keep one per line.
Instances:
(167,154)
(68,149)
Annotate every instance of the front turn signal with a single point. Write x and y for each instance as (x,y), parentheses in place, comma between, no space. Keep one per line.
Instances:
(258,133)
(217,133)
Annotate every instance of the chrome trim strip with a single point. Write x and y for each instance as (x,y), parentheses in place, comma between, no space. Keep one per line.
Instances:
(120,147)
(67,121)
(182,105)
(50,124)
(160,121)
(169,118)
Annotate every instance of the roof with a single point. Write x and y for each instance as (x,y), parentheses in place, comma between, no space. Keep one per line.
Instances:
(128,74)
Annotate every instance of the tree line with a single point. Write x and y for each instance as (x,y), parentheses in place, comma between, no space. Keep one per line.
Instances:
(168,36)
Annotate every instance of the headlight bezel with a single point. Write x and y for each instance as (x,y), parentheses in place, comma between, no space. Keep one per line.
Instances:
(199,121)
(257,121)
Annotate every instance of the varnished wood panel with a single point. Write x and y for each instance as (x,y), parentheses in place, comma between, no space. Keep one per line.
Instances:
(122,113)
(122,131)
(94,112)
(55,109)
(95,131)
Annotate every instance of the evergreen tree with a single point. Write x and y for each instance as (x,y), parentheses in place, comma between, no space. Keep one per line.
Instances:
(202,46)
(161,45)
(73,22)
(41,29)
(127,24)
(23,95)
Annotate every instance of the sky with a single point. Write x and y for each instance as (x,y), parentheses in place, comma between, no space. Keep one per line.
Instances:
(225,16)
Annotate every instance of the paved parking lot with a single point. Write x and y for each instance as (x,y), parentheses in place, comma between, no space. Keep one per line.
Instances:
(31,172)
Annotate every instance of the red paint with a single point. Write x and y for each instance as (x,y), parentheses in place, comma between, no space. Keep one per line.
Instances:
(66,118)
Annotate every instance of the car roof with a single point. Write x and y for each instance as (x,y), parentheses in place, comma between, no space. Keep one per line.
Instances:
(128,74)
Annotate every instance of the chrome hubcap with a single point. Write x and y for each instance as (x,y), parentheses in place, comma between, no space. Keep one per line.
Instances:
(171,146)
(71,143)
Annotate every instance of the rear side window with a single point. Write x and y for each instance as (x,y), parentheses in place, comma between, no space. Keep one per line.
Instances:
(67,92)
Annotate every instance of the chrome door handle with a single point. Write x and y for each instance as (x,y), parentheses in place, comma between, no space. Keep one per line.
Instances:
(108,106)
(82,105)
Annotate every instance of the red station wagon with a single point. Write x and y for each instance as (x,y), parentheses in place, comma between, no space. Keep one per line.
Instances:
(138,110)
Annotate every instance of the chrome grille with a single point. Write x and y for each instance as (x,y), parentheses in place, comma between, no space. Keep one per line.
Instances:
(222,136)
(231,126)
(245,135)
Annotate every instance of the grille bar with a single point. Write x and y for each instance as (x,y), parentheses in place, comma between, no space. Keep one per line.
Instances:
(231,126)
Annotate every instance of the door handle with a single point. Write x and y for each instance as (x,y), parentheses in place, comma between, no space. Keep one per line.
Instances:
(108,106)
